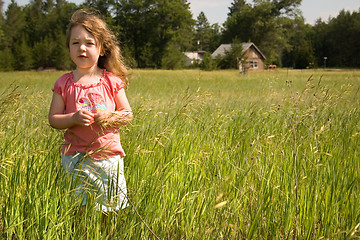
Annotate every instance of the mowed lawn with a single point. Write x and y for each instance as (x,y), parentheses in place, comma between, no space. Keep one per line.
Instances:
(210,155)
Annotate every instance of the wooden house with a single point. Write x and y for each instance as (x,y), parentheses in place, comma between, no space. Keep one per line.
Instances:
(253,57)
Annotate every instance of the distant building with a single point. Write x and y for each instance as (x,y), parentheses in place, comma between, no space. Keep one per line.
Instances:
(253,56)
(194,57)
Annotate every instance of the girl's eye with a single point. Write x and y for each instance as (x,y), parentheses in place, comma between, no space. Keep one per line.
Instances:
(75,43)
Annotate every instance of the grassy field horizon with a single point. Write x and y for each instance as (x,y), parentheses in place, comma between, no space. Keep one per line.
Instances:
(210,155)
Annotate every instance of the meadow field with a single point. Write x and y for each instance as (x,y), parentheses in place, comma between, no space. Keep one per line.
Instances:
(210,155)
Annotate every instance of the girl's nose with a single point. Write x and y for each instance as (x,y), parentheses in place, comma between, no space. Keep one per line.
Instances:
(82,47)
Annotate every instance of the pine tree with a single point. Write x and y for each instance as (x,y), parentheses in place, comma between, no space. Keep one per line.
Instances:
(23,55)
(202,33)
(2,25)
(60,54)
(7,60)
(1,11)
(236,7)
(14,24)
(42,53)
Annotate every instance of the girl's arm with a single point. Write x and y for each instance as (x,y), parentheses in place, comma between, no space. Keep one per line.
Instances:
(58,119)
(122,116)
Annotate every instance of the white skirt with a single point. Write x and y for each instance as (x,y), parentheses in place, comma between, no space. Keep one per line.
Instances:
(102,178)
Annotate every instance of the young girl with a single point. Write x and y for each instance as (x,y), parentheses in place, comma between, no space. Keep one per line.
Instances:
(91,104)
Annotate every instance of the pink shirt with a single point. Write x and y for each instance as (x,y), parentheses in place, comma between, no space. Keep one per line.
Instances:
(96,142)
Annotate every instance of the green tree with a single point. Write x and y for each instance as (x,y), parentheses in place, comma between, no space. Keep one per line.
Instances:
(2,25)
(106,9)
(203,33)
(57,20)
(319,40)
(173,58)
(239,24)
(236,6)
(301,53)
(60,54)
(45,28)
(103,6)
(42,53)
(175,27)
(215,37)
(136,20)
(7,60)
(208,63)
(149,28)
(338,40)
(1,9)
(1,12)
(232,57)
(14,24)
(36,25)
(23,55)
(343,39)
(261,23)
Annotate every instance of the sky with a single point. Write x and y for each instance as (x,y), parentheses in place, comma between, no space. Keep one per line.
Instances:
(216,10)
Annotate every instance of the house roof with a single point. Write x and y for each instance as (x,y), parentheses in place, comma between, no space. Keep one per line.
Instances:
(221,50)
(194,55)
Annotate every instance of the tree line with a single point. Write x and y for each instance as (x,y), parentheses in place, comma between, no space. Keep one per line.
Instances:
(155,33)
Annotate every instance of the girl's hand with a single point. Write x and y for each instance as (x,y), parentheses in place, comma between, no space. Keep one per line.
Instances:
(83,118)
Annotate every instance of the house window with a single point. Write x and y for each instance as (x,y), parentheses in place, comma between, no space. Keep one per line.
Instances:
(253,64)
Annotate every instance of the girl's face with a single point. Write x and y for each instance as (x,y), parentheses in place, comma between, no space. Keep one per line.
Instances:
(84,49)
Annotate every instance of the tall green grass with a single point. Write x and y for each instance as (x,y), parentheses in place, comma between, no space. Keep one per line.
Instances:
(210,155)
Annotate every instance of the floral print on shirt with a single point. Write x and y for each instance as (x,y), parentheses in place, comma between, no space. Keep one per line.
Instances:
(93,103)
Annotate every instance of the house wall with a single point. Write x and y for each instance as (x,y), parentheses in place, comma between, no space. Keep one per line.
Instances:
(192,57)
(253,55)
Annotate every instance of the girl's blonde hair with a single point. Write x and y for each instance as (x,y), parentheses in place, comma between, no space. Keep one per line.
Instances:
(111,58)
